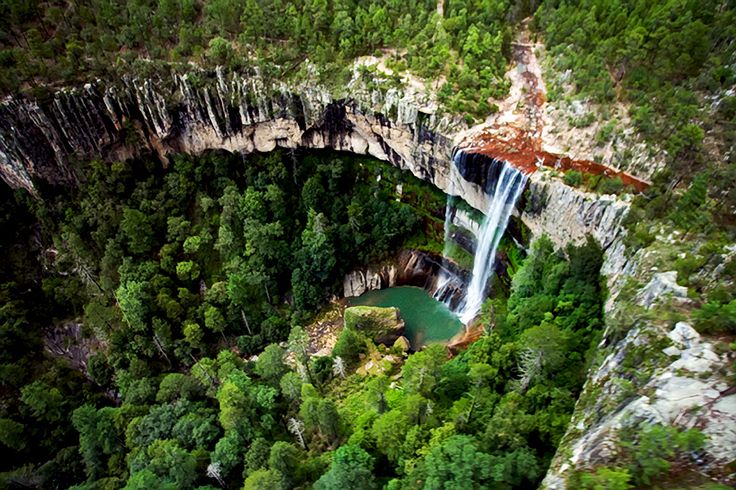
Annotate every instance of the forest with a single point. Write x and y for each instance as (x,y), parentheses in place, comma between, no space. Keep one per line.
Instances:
(181,274)
(189,288)
(173,273)
(72,42)
(669,62)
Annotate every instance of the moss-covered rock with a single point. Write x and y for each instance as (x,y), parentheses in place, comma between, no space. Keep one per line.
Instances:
(383,325)
(402,345)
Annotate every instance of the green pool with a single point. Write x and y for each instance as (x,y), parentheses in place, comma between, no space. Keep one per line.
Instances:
(427,320)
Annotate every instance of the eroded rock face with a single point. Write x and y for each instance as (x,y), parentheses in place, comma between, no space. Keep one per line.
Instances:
(567,214)
(683,390)
(359,281)
(226,112)
(662,286)
(41,140)
(410,268)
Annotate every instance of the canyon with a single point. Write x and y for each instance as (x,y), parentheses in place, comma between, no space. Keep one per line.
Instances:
(42,141)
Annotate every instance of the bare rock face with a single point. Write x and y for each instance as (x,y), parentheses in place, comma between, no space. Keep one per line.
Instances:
(662,285)
(567,214)
(359,281)
(684,385)
(409,268)
(216,111)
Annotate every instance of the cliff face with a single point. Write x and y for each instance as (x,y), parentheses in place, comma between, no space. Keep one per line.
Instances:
(410,268)
(113,121)
(41,141)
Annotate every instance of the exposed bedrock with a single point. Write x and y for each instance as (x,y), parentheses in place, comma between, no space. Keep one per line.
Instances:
(40,141)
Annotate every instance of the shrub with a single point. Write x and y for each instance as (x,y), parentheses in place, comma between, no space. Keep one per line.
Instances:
(350,345)
(611,185)
(715,317)
(573,178)
(655,448)
(606,479)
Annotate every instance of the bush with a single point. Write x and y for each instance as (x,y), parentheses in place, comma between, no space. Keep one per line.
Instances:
(606,479)
(715,317)
(611,185)
(573,178)
(350,345)
(656,447)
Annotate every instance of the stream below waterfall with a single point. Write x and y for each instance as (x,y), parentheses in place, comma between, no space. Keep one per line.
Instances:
(427,320)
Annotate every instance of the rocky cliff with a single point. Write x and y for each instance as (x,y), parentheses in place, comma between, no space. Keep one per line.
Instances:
(410,268)
(652,367)
(192,113)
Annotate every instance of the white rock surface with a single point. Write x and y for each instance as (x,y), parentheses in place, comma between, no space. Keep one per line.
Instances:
(686,390)
(662,286)
(567,214)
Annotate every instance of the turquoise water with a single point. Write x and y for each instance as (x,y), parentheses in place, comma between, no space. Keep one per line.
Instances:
(427,320)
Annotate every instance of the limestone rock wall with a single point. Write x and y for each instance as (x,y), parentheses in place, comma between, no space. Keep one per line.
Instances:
(410,268)
(41,140)
(567,214)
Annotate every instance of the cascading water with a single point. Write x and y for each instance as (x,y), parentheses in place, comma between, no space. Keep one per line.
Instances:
(508,187)
(445,278)
(504,190)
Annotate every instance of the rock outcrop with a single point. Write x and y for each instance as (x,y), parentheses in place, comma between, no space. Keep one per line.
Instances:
(662,286)
(567,214)
(201,111)
(410,268)
(383,325)
(680,391)
(651,369)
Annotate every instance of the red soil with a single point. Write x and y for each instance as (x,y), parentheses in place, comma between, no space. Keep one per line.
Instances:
(524,152)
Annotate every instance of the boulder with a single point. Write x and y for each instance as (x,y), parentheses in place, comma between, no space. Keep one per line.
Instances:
(663,284)
(383,325)
(354,284)
(684,334)
(360,281)
(402,344)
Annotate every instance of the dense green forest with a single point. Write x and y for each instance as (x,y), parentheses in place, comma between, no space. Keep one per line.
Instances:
(180,274)
(671,62)
(73,41)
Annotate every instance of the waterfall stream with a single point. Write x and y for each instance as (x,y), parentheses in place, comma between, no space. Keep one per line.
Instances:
(445,279)
(506,190)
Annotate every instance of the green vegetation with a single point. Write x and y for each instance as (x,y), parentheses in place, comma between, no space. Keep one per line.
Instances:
(649,453)
(72,42)
(699,214)
(164,268)
(179,275)
(663,57)
(669,61)
(573,178)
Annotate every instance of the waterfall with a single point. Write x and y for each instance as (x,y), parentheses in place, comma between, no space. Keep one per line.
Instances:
(504,184)
(507,189)
(445,278)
